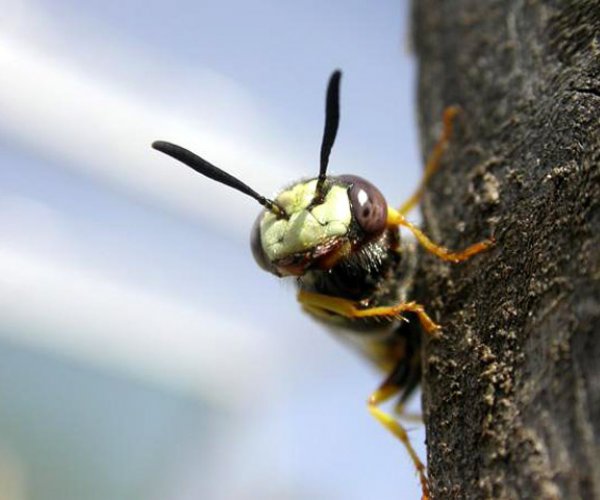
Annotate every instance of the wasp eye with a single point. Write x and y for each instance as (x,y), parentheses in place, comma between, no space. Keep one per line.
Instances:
(369,207)
(257,248)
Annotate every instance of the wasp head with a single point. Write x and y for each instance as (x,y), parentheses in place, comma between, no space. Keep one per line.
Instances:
(314,223)
(318,231)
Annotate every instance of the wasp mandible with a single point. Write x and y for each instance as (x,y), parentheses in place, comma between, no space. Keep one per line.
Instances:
(340,241)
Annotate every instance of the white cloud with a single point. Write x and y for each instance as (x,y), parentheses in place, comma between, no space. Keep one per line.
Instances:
(26,223)
(113,324)
(95,125)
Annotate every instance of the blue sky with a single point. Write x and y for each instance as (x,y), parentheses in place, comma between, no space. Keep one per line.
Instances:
(118,261)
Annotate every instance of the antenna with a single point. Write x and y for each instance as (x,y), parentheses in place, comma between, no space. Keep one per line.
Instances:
(332,121)
(207,169)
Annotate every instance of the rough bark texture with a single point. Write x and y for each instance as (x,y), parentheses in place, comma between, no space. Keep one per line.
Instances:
(512,390)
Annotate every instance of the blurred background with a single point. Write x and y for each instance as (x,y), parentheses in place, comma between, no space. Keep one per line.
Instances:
(143,354)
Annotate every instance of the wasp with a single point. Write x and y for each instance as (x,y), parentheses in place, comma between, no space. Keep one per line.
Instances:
(340,241)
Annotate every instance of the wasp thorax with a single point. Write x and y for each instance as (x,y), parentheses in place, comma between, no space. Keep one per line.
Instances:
(317,234)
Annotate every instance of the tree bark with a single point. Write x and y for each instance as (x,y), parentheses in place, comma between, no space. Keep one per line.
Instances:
(511,392)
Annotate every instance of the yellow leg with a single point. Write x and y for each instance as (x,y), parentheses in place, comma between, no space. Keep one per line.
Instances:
(349,309)
(434,160)
(395,218)
(386,391)
(401,412)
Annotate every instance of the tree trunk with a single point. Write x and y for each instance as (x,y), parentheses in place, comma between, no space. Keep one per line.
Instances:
(512,389)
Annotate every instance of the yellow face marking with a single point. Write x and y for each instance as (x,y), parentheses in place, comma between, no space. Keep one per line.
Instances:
(305,229)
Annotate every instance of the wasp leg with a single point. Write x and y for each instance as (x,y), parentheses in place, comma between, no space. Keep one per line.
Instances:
(434,160)
(385,392)
(401,412)
(349,309)
(395,218)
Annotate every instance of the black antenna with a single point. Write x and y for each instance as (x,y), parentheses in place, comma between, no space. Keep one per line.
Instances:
(332,121)
(207,169)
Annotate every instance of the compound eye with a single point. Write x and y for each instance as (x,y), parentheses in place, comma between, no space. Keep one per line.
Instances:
(369,207)
(257,249)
